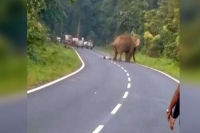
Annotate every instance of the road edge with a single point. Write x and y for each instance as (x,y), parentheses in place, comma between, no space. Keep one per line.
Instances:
(167,75)
(62,78)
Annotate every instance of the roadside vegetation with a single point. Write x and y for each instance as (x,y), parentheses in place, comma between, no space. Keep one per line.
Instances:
(47,59)
(157,22)
(54,61)
(164,64)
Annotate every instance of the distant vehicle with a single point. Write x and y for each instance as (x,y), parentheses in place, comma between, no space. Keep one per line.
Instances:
(85,44)
(80,43)
(68,40)
(75,39)
(88,44)
(75,42)
(63,38)
(58,39)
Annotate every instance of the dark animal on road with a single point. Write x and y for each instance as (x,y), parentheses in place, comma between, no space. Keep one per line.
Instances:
(126,43)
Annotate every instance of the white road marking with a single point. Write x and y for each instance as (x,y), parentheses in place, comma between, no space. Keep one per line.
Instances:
(114,63)
(129,79)
(122,68)
(116,108)
(95,93)
(58,80)
(125,71)
(127,74)
(118,65)
(176,80)
(129,85)
(125,94)
(98,129)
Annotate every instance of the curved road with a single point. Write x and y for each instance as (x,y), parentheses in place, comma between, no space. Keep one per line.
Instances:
(104,97)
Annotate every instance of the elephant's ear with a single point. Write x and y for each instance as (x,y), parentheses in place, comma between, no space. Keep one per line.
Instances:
(137,42)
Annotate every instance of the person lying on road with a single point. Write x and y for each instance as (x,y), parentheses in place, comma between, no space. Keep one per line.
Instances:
(106,57)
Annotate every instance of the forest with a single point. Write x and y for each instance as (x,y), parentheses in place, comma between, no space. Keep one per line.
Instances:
(156,21)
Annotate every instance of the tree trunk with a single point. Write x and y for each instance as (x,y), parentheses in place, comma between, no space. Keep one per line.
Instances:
(61,26)
(78,29)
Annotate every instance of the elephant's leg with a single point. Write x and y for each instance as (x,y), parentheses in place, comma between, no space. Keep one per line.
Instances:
(115,54)
(120,57)
(129,57)
(126,56)
(134,55)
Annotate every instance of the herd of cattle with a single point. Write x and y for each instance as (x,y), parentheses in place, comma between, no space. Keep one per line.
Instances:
(68,40)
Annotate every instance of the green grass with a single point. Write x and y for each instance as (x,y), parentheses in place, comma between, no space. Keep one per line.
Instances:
(163,64)
(55,61)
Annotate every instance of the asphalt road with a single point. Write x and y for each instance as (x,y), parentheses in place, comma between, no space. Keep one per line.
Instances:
(92,100)
(105,97)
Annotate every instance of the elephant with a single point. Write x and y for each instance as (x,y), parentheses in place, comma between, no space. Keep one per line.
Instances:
(125,43)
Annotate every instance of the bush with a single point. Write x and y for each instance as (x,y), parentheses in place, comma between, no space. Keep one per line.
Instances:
(50,62)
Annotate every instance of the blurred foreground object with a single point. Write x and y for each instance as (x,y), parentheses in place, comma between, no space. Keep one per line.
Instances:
(190,66)
(13,109)
(12,47)
(190,40)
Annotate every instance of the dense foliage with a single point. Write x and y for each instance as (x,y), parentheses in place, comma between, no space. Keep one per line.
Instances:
(13,23)
(161,35)
(43,17)
(47,58)
(156,21)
